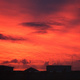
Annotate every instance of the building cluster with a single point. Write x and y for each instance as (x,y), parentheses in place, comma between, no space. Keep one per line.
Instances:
(49,68)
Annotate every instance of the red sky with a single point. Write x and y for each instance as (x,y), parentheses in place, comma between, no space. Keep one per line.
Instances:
(36,33)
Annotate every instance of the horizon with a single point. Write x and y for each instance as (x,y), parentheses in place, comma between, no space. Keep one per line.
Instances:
(38,69)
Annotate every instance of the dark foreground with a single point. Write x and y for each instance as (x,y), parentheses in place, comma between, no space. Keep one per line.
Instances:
(39,76)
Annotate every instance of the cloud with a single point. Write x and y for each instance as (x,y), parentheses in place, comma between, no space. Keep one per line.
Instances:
(3,37)
(5,62)
(14,61)
(36,7)
(36,25)
(43,8)
(42,27)
(39,7)
(24,61)
(41,32)
(46,7)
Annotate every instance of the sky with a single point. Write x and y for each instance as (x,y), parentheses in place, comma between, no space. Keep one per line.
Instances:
(37,33)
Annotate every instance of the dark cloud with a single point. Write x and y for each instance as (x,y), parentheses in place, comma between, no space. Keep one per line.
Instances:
(48,6)
(42,27)
(14,61)
(37,7)
(55,23)
(24,61)
(3,37)
(5,62)
(40,7)
(36,25)
(45,7)
(41,32)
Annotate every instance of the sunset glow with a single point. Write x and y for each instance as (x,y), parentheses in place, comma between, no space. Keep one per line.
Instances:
(36,33)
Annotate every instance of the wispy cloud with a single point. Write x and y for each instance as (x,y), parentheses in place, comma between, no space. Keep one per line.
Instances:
(42,27)
(23,61)
(36,25)
(3,37)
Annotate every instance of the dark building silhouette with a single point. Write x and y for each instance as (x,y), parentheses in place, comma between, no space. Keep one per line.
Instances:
(6,68)
(33,74)
(31,70)
(58,68)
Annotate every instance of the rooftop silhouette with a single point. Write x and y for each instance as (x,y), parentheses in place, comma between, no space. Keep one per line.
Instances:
(53,72)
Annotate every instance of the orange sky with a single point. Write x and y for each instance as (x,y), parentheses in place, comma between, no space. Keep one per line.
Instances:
(38,33)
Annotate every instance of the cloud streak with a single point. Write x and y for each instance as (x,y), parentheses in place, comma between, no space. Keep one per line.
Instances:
(12,61)
(36,25)
(3,37)
(23,61)
(42,27)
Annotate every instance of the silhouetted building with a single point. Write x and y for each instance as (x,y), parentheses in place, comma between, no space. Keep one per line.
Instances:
(31,70)
(58,68)
(6,68)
